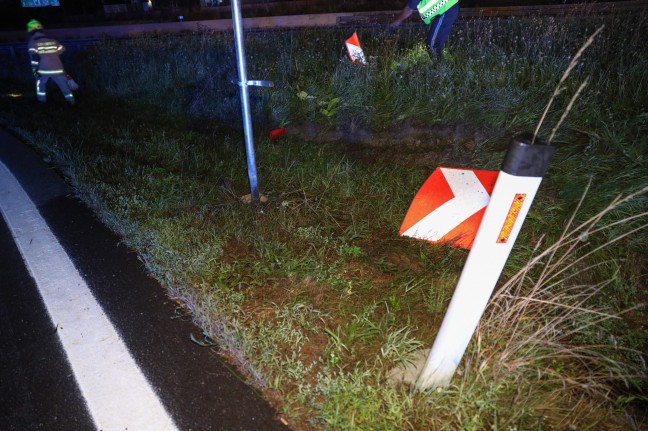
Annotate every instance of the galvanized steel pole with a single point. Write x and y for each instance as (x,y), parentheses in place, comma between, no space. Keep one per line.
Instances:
(245,99)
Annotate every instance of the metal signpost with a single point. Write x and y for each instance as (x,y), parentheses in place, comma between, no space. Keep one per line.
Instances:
(245,98)
(516,186)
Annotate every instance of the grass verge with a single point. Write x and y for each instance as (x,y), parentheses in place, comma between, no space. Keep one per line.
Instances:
(313,295)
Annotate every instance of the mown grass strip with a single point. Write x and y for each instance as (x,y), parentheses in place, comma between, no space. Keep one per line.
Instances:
(314,295)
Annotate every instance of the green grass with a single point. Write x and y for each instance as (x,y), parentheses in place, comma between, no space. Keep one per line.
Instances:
(313,295)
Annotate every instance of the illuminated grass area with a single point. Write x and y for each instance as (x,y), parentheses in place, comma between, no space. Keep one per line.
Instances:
(313,295)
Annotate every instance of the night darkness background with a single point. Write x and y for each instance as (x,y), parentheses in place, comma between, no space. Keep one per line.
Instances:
(86,12)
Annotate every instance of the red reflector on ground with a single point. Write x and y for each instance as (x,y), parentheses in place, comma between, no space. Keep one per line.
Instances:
(274,134)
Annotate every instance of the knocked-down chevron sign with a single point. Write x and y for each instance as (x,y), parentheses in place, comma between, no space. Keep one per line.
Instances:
(450,206)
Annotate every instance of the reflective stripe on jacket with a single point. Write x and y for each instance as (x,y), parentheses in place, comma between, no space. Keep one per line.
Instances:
(44,54)
(431,8)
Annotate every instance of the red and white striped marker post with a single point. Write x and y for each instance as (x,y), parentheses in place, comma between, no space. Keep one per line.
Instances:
(516,186)
(356,54)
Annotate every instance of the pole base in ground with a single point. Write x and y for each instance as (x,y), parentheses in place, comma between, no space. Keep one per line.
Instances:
(435,376)
(406,375)
(248,199)
(414,374)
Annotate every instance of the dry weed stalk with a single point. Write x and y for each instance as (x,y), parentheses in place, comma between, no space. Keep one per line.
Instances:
(559,88)
(533,318)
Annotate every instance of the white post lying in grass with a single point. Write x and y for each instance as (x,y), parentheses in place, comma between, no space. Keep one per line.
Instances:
(516,186)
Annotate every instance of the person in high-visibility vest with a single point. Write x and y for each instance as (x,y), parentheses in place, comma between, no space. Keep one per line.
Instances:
(44,54)
(440,14)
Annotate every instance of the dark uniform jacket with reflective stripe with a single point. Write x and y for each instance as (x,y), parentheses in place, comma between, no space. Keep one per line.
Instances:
(44,54)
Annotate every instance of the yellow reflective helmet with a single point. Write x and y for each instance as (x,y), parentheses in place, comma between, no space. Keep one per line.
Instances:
(34,25)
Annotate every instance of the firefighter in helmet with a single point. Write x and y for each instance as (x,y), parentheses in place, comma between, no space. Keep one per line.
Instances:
(439,14)
(44,54)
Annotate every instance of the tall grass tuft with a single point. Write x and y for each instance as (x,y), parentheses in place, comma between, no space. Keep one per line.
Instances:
(546,326)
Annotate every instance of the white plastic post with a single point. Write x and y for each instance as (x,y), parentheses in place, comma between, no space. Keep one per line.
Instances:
(516,186)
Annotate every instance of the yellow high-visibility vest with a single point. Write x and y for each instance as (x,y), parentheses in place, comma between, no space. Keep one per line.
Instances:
(431,8)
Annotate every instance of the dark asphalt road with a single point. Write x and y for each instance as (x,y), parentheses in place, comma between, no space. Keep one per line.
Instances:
(38,390)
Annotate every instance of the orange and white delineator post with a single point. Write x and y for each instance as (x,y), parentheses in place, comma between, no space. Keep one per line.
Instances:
(356,54)
(516,186)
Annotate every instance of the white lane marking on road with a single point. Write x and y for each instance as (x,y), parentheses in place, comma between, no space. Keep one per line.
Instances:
(117,394)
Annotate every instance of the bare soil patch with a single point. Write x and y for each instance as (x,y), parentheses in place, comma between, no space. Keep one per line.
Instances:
(409,143)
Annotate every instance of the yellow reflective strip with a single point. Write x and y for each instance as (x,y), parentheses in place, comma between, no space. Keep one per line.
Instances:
(511,217)
(50,72)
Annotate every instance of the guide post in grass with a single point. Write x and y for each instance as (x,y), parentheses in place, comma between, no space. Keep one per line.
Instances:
(517,183)
(245,98)
(356,54)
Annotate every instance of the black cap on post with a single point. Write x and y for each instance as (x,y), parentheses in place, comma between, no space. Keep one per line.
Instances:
(524,159)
